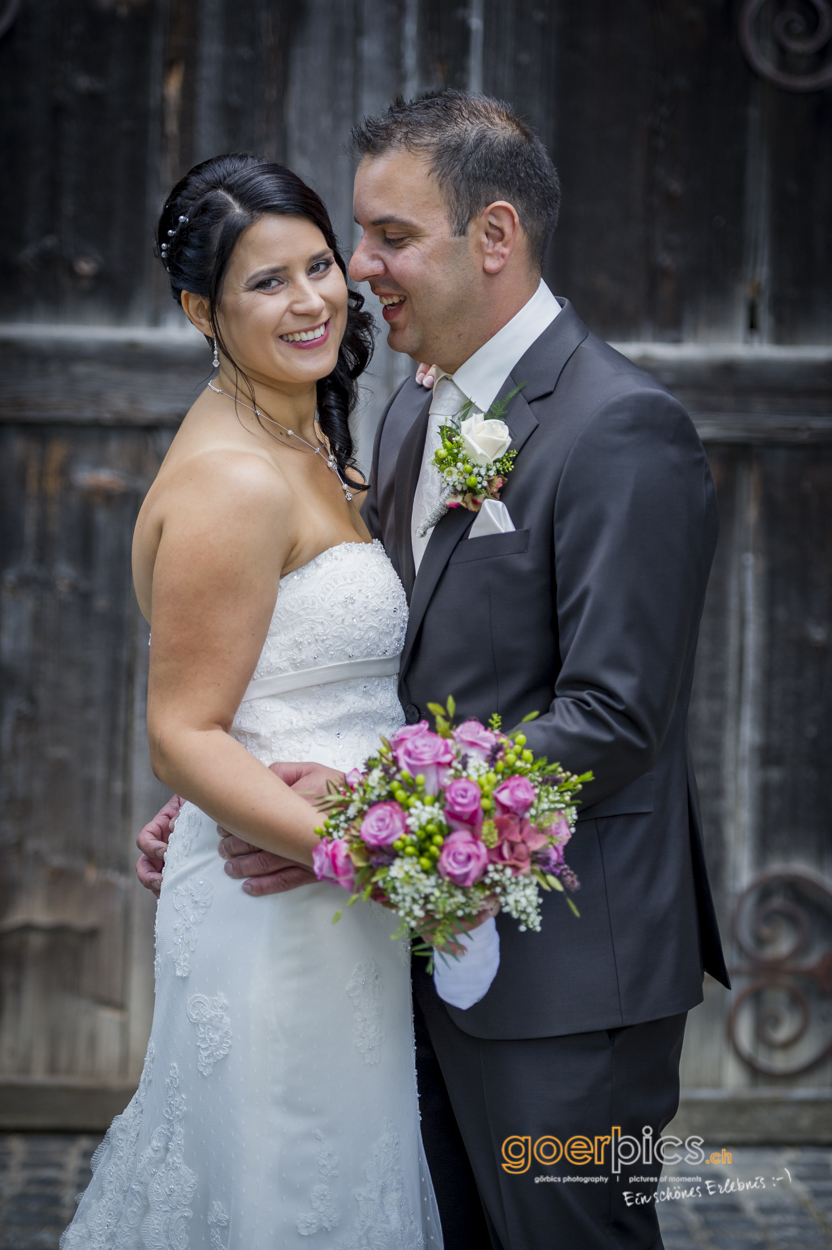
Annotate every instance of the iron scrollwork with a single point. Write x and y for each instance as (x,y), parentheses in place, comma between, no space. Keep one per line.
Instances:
(792,35)
(780,1022)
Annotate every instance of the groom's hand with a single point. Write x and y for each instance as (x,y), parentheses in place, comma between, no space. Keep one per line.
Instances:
(153,844)
(263,872)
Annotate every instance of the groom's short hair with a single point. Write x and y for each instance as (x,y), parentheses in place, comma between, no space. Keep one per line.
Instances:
(479,150)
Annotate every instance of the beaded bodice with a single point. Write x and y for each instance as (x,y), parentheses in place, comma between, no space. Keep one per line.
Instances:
(346,604)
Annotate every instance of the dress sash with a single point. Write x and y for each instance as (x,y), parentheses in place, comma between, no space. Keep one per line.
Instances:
(347,670)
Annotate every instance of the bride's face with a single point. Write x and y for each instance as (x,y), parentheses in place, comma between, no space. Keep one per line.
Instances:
(283,306)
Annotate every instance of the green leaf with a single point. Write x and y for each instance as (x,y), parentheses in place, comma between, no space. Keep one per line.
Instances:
(574,908)
(354,899)
(337,916)
(530,716)
(436,709)
(451,706)
(499,406)
(554,883)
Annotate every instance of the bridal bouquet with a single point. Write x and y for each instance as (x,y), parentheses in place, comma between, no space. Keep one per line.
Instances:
(440,825)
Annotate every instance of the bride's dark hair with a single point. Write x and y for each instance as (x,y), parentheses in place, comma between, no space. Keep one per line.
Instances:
(203,218)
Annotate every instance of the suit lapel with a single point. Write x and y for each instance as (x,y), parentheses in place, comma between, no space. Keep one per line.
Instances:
(456,522)
(540,370)
(407,475)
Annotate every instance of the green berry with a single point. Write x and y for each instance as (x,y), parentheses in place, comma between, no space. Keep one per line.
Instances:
(520,739)
(472,482)
(441,454)
(511,758)
(528,756)
(487,805)
(410,850)
(438,839)
(425,863)
(433,851)
(399,844)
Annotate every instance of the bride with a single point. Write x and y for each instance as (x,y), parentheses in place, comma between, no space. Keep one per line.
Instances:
(277,1106)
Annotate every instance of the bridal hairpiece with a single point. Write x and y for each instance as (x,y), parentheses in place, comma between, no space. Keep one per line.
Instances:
(165,247)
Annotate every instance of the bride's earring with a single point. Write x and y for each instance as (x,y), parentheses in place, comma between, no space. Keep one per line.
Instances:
(216,360)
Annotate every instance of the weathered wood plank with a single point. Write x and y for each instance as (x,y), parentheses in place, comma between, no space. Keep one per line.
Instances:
(151,378)
(76,91)
(68,619)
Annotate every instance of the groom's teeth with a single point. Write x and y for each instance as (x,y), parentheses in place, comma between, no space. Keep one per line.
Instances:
(387,300)
(303,336)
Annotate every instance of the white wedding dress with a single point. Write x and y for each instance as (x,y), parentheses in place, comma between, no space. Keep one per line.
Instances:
(277,1108)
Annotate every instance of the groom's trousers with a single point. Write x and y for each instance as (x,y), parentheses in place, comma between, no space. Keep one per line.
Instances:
(503,1099)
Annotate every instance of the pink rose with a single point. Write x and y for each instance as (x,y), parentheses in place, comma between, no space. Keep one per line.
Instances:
(408,731)
(463,859)
(383,824)
(331,862)
(475,739)
(354,778)
(428,754)
(463,801)
(560,832)
(515,795)
(517,840)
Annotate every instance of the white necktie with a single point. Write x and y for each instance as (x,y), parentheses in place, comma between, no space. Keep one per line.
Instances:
(447,401)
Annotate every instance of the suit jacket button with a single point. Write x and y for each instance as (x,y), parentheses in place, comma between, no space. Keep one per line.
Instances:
(411,714)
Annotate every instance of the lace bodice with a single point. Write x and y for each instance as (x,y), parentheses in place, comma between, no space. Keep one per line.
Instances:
(346,604)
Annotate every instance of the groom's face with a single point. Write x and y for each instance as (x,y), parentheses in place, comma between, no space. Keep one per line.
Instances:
(427,278)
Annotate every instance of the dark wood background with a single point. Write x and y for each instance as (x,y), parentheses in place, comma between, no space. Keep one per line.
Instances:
(697,196)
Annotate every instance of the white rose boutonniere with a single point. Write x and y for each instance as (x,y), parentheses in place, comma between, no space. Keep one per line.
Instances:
(474,459)
(484,441)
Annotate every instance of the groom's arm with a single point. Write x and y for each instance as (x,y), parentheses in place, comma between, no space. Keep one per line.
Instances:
(269,873)
(635,528)
(370,506)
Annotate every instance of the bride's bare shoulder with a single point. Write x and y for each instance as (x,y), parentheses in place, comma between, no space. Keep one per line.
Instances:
(218,491)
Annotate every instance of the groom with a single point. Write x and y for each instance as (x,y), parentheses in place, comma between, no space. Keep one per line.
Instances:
(580,598)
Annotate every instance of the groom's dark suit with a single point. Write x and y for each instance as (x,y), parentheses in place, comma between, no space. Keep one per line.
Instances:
(588,613)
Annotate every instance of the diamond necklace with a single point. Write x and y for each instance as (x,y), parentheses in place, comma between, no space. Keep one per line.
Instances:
(319,451)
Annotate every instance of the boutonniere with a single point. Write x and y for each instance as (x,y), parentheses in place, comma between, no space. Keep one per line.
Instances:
(474,459)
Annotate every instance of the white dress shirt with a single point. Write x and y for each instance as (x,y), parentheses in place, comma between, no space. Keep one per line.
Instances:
(478,379)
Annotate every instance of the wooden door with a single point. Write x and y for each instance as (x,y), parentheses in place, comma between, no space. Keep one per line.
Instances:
(693,141)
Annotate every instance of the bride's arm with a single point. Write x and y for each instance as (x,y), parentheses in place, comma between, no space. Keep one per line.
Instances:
(226,535)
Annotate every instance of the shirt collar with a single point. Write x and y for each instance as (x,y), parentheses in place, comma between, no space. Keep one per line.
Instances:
(482,374)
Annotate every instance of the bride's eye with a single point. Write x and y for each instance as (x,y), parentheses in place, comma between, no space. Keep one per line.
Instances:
(269,284)
(321,267)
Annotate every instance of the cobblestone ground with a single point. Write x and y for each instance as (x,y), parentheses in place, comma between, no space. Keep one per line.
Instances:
(40,1174)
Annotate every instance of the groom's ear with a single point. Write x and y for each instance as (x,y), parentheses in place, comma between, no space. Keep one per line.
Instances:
(497,234)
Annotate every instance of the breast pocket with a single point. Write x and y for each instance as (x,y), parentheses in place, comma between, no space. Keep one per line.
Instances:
(491,545)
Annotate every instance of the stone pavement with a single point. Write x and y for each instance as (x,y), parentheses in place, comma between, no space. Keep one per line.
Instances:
(774,1199)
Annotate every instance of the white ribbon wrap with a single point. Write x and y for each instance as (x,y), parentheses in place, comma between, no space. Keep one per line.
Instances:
(463,981)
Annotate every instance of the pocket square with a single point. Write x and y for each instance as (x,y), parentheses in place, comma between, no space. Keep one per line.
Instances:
(492,518)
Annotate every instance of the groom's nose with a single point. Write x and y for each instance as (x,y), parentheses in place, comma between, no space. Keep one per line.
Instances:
(365,264)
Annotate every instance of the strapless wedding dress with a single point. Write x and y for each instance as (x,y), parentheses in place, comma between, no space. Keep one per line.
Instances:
(277,1107)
